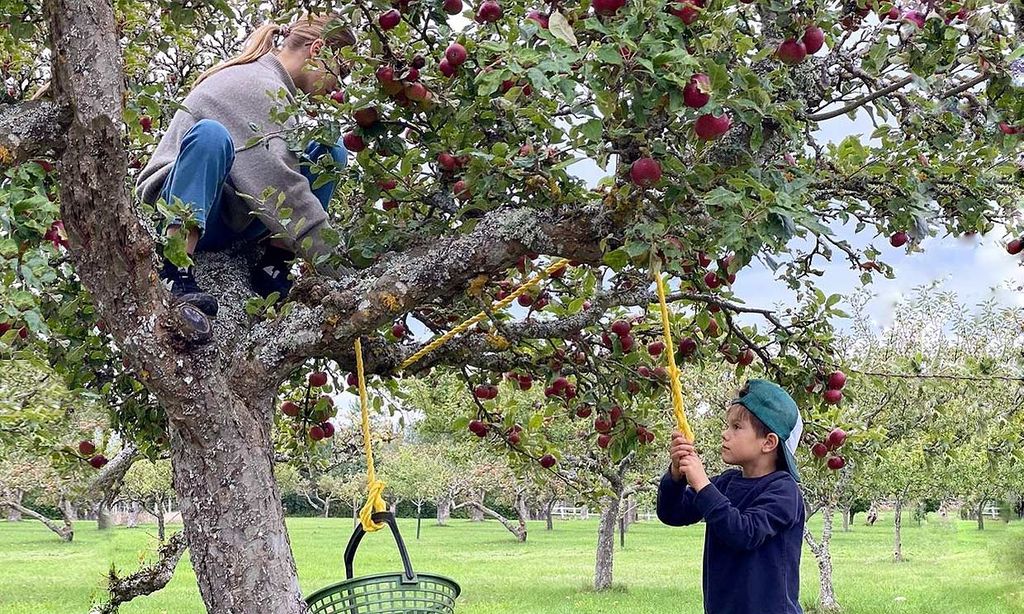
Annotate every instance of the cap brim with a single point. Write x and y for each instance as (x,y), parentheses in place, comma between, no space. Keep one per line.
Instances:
(790,463)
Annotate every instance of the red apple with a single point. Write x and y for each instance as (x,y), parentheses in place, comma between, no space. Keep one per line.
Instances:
(461,190)
(525,382)
(697,92)
(837,380)
(814,39)
(398,330)
(328,429)
(455,54)
(645,172)
(915,18)
(86,448)
(602,425)
(447,161)
(819,450)
(607,7)
(446,68)
(353,142)
(709,127)
(687,347)
(147,123)
(791,51)
(547,461)
(98,461)
(899,239)
(1006,128)
(687,10)
(317,379)
(352,379)
(615,414)
(389,19)
(621,327)
(584,411)
(290,408)
(832,397)
(836,463)
(539,18)
(1015,247)
(627,343)
(655,348)
(489,11)
(835,439)
(746,357)
(604,440)
(712,280)
(452,7)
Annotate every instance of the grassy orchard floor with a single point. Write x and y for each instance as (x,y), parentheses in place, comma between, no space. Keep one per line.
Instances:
(952,569)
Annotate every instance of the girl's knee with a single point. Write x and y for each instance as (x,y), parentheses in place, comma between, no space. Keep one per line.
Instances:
(212,136)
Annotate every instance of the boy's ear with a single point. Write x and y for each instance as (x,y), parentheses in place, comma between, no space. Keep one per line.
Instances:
(771,443)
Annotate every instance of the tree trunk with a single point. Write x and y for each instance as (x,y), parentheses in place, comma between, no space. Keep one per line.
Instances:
(547,515)
(476,513)
(897,548)
(846,519)
(823,556)
(104,517)
(66,532)
(160,525)
(606,542)
(327,507)
(222,459)
(133,515)
(67,509)
(13,513)
(981,514)
(522,509)
(419,507)
(444,510)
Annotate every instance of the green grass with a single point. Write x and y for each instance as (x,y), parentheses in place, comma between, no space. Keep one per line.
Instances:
(951,568)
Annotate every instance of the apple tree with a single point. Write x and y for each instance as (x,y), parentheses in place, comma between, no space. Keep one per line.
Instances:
(701,115)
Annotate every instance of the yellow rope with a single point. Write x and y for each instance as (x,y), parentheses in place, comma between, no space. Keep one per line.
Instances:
(673,372)
(375,488)
(503,303)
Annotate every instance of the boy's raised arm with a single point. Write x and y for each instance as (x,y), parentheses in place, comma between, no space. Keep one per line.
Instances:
(676,505)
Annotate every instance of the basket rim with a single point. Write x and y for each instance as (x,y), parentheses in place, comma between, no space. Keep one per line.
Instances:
(318,594)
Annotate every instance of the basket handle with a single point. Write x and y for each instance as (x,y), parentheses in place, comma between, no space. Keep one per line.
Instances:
(409,577)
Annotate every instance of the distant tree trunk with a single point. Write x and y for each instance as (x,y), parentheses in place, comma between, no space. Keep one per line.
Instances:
(160,525)
(67,509)
(897,548)
(847,518)
(13,514)
(823,556)
(419,508)
(981,514)
(606,542)
(104,517)
(522,509)
(476,513)
(133,515)
(327,507)
(444,510)
(394,507)
(547,515)
(66,532)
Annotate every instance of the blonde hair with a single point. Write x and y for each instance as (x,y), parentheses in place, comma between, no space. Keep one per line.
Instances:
(300,33)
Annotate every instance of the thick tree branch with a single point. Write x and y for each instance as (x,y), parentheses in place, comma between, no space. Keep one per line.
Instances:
(66,532)
(145,581)
(108,481)
(863,100)
(31,129)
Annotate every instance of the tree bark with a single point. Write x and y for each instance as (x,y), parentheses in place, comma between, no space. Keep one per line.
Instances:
(444,510)
(133,515)
(606,542)
(13,513)
(519,530)
(104,517)
(846,519)
(160,523)
(522,509)
(146,581)
(549,524)
(476,513)
(827,601)
(230,504)
(897,548)
(66,532)
(981,514)
(68,510)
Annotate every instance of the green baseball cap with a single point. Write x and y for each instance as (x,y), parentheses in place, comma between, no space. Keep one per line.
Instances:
(778,411)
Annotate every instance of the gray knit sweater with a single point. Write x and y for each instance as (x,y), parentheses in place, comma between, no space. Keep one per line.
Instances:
(239,97)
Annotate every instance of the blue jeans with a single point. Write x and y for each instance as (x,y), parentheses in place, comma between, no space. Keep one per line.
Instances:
(200,174)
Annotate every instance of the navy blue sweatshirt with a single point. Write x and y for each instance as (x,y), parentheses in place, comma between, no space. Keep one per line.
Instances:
(752,542)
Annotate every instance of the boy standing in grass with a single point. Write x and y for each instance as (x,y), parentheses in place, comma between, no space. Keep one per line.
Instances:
(754,514)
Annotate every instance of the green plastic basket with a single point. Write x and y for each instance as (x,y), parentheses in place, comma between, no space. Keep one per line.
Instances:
(398,593)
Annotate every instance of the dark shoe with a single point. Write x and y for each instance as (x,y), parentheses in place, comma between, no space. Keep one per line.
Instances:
(186,290)
(271,273)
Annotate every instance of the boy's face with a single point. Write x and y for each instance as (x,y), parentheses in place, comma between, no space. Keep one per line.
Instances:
(740,442)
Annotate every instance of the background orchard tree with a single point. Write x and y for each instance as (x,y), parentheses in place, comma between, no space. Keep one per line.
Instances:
(703,118)
(148,484)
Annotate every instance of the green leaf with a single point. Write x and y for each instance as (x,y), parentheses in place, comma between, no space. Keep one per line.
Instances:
(560,29)
(617,259)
